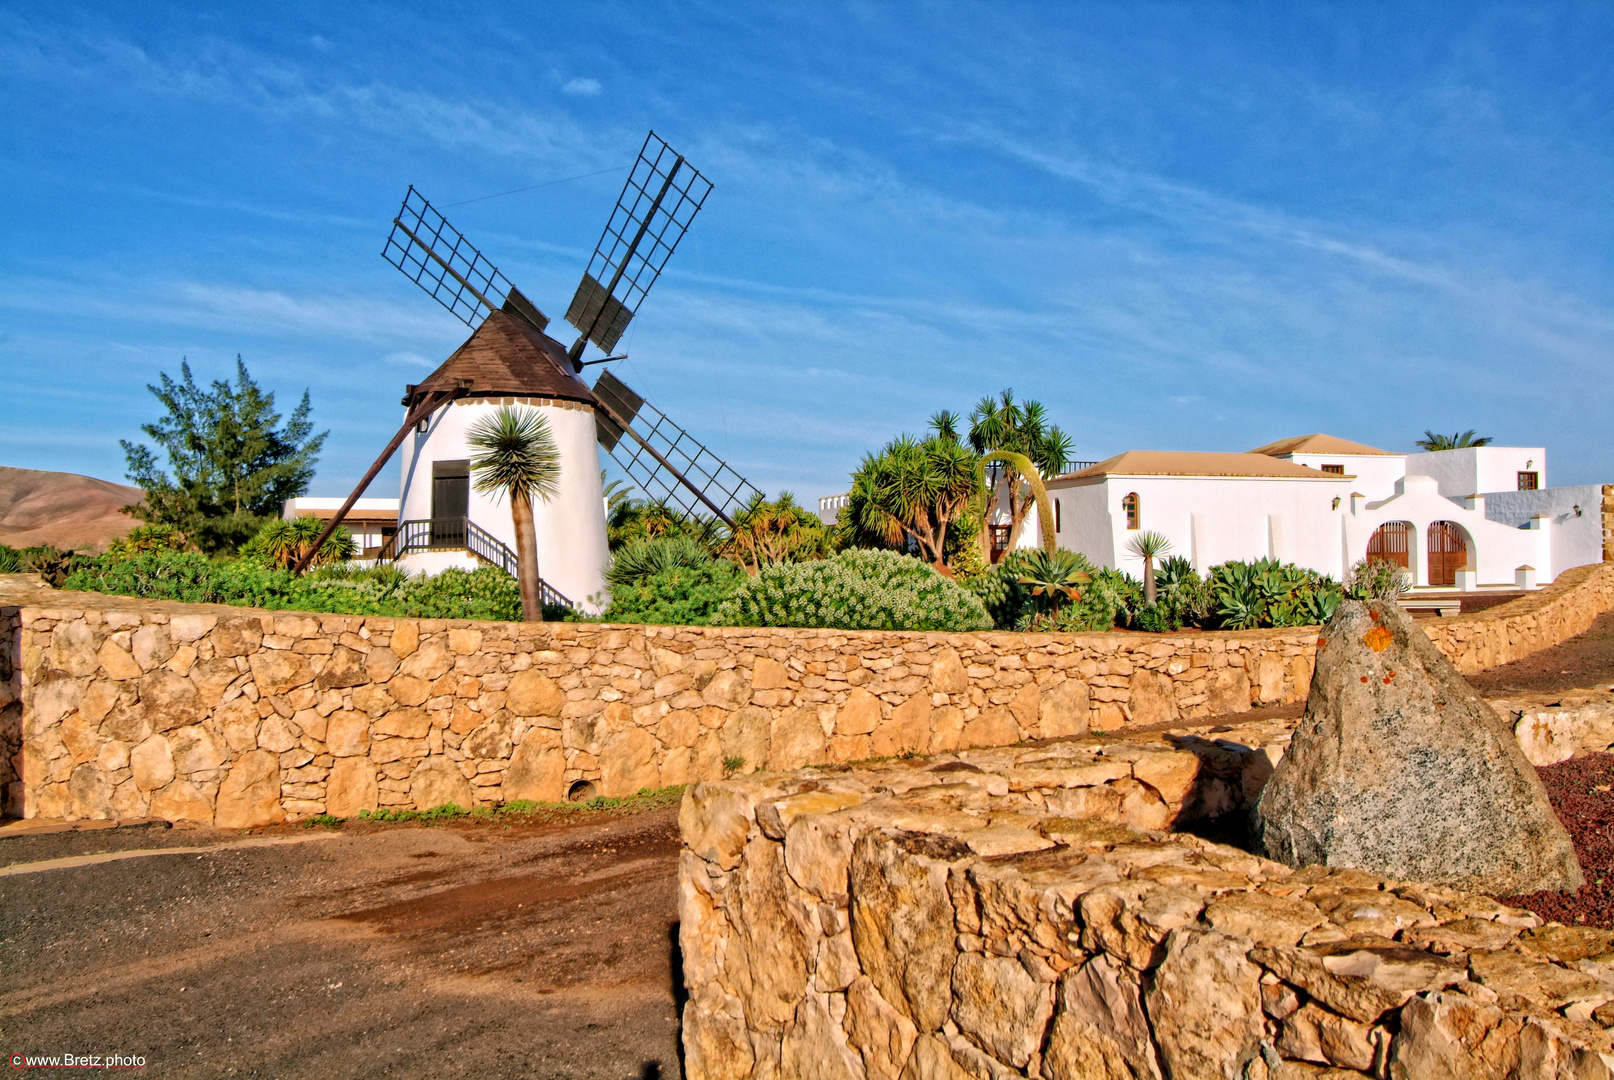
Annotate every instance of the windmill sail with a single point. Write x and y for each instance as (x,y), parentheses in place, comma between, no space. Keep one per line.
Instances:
(437,257)
(665,461)
(660,199)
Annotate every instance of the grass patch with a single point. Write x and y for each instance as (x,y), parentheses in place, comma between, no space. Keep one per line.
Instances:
(520,811)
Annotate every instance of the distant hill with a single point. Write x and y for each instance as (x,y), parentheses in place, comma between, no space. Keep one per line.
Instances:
(64,509)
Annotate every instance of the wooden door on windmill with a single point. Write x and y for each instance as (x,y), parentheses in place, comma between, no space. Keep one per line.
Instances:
(451,501)
(1447,553)
(1391,542)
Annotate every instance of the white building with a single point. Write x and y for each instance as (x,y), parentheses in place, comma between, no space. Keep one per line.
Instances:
(371,521)
(1467,519)
(443,521)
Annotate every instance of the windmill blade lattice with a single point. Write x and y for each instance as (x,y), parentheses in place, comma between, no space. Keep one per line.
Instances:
(437,257)
(660,199)
(726,489)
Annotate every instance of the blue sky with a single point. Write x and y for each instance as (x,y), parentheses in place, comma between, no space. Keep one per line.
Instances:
(1178,226)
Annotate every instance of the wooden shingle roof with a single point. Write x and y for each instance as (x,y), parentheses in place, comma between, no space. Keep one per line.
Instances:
(506,357)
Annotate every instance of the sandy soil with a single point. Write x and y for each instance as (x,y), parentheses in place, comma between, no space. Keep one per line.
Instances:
(369,951)
(64,509)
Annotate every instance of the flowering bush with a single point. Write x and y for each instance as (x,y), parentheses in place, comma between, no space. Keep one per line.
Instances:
(855,590)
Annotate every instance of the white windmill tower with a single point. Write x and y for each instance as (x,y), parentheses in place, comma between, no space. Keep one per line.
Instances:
(510,360)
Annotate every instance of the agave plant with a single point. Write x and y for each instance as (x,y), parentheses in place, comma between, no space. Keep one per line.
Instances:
(1053,575)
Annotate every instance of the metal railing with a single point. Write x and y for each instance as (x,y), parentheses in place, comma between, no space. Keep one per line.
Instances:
(461,534)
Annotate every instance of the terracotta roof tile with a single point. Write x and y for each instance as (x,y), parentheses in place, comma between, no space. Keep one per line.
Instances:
(506,357)
(1193,463)
(1317,444)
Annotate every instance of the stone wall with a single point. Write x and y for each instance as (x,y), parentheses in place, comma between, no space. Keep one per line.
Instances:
(1529,624)
(1608,522)
(962,917)
(112,707)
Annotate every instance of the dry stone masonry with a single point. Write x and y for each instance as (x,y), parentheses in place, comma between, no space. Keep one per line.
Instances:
(115,707)
(1019,913)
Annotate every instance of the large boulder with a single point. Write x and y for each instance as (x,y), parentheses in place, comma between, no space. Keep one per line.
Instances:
(1401,769)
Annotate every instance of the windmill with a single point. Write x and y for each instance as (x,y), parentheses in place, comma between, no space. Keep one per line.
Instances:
(510,356)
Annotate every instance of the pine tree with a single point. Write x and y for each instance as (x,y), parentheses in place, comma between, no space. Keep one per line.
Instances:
(232,461)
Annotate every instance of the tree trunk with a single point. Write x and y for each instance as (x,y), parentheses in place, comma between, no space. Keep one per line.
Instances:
(1148,579)
(532,609)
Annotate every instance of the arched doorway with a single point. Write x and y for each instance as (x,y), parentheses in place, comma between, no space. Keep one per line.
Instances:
(1448,553)
(1392,542)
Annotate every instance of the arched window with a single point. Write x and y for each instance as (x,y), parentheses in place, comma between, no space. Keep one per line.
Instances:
(1129,503)
(1391,542)
(1448,553)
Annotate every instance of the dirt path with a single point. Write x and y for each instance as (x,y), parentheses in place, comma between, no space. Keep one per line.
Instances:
(1584,661)
(474,950)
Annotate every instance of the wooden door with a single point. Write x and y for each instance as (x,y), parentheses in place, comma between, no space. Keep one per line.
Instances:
(451,498)
(1447,553)
(1000,541)
(1391,542)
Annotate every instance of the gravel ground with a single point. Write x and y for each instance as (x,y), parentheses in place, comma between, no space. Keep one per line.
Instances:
(477,949)
(1582,792)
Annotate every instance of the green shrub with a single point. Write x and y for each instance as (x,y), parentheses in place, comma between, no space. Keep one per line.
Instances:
(484,593)
(639,559)
(1376,579)
(1009,591)
(143,538)
(10,561)
(855,590)
(285,542)
(680,595)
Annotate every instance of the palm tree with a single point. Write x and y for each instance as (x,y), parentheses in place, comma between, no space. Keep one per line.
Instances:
(766,533)
(911,492)
(518,457)
(944,425)
(1002,423)
(1148,546)
(1460,441)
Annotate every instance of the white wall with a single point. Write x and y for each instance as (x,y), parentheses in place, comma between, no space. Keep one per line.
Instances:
(1375,474)
(1495,550)
(1575,539)
(1209,520)
(570,526)
(1480,468)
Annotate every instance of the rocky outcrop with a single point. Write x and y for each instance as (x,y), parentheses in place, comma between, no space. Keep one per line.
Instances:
(933,919)
(1400,768)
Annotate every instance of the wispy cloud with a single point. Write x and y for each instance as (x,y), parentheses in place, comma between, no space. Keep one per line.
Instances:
(581,87)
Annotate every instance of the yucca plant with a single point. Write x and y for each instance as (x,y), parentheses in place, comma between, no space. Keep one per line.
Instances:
(640,559)
(1149,546)
(284,542)
(517,456)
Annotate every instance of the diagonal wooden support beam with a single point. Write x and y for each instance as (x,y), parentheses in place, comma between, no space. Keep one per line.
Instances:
(424,408)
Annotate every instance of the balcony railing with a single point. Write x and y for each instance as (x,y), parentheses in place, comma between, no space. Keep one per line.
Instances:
(461,534)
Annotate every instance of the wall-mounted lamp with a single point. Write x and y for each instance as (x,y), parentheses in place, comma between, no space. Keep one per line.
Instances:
(1529,464)
(1336,502)
(1577,511)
